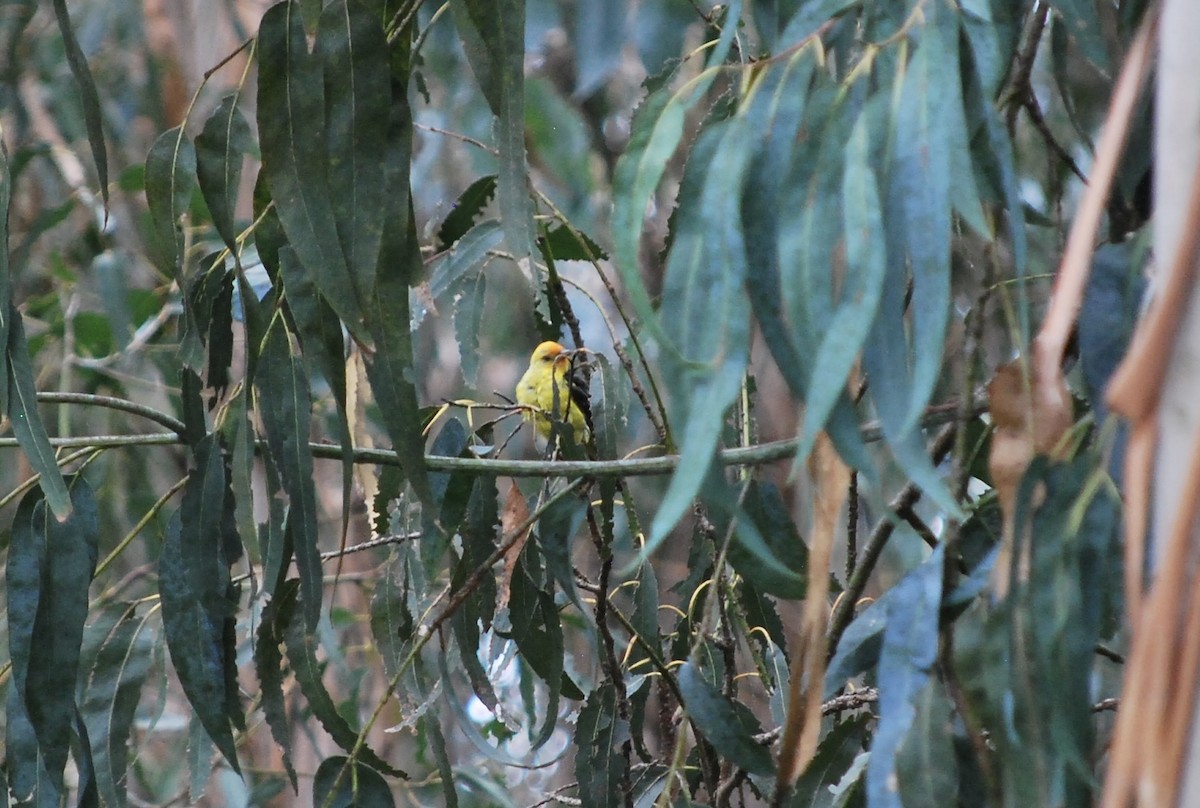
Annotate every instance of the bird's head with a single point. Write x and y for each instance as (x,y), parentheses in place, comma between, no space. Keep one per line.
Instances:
(551,353)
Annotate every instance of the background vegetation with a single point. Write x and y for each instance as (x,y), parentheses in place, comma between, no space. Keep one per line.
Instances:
(248,245)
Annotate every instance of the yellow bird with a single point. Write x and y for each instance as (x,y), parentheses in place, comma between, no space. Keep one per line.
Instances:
(553,392)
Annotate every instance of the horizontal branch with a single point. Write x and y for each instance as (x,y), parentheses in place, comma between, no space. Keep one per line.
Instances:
(757,455)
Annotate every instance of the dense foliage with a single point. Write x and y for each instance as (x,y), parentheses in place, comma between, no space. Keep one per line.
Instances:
(796,238)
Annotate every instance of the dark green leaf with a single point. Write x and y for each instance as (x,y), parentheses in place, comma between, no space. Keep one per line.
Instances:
(285,406)
(170,179)
(537,631)
(599,38)
(910,641)
(88,96)
(27,422)
(568,244)
(834,755)
(301,647)
(358,96)
(196,637)
(291,107)
(118,671)
(468,318)
(23,588)
(466,257)
(722,725)
(599,764)
(779,566)
(268,660)
(221,148)
(493,34)
(390,368)
(466,210)
(340,783)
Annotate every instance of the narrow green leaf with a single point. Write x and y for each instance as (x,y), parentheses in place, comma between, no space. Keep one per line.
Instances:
(537,631)
(468,318)
(926,769)
(27,422)
(291,107)
(1084,23)
(23,588)
(779,566)
(705,311)
(599,37)
(89,98)
(170,179)
(467,208)
(117,674)
(655,132)
(808,18)
(866,263)
(599,764)
(431,730)
(285,406)
(6,268)
(568,244)
(906,660)
(466,257)
(193,587)
(301,647)
(493,33)
(268,661)
(221,148)
(358,96)
(722,725)
(833,759)
(342,783)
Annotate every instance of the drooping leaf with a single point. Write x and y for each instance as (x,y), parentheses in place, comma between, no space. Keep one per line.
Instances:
(866,260)
(833,758)
(90,99)
(705,312)
(468,320)
(27,422)
(196,639)
(537,631)
(23,590)
(221,148)
(910,641)
(342,783)
(808,18)
(118,671)
(599,735)
(268,660)
(6,268)
(722,725)
(353,52)
(467,256)
(926,769)
(170,180)
(291,106)
(1084,23)
(301,649)
(493,36)
(285,406)
(467,208)
(782,572)
(599,37)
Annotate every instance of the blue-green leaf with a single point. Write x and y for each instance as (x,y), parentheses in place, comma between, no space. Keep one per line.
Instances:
(599,735)
(909,651)
(866,263)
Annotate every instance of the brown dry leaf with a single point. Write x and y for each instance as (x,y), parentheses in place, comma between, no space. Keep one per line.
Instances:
(512,515)
(831,479)
(1030,417)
